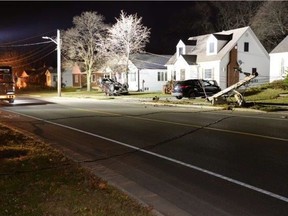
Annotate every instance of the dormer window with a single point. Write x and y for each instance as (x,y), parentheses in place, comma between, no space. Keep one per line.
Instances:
(181,52)
(211,47)
(180,48)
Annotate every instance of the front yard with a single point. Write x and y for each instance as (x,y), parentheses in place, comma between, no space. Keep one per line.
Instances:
(35,179)
(273,94)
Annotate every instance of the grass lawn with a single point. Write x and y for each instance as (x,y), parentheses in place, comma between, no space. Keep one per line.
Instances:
(35,179)
(261,95)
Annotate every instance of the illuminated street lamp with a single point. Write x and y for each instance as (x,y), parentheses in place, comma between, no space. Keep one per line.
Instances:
(58,43)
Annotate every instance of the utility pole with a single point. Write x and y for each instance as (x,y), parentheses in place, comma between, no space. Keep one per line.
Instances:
(58,43)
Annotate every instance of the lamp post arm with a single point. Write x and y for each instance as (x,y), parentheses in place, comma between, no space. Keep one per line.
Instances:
(49,38)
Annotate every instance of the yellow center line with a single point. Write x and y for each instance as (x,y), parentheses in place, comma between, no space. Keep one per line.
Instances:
(186,125)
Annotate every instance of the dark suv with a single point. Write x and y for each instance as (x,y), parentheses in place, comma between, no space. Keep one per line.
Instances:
(195,88)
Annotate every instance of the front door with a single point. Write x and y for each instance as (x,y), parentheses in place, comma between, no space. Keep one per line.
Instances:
(182,74)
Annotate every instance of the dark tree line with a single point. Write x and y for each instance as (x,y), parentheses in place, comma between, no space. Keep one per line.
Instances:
(268,19)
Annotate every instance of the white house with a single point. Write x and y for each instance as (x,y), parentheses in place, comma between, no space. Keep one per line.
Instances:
(279,61)
(146,72)
(215,56)
(51,77)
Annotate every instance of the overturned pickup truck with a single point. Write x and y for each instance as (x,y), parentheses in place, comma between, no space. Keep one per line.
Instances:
(111,87)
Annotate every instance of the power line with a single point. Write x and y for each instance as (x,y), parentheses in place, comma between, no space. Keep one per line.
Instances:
(24,56)
(29,38)
(35,60)
(25,45)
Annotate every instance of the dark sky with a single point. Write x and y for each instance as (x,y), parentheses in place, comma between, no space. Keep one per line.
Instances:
(29,19)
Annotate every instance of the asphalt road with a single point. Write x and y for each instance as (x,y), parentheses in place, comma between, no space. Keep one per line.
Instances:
(180,161)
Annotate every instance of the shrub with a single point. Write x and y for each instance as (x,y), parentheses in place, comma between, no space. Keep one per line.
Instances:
(279,84)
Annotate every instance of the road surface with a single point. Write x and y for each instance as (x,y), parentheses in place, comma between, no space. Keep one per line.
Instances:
(178,160)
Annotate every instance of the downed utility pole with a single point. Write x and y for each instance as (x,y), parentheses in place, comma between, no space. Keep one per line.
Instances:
(219,97)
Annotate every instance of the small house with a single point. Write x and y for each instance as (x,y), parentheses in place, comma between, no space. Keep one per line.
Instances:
(279,61)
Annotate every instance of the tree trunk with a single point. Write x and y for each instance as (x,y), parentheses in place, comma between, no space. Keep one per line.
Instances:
(89,81)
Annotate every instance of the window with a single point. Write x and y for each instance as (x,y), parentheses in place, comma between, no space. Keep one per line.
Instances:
(174,75)
(208,73)
(132,77)
(182,74)
(211,47)
(180,50)
(162,76)
(94,78)
(246,47)
(284,69)
(76,77)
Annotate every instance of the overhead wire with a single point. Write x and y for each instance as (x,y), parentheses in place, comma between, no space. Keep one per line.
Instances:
(29,38)
(32,54)
(26,56)
(35,59)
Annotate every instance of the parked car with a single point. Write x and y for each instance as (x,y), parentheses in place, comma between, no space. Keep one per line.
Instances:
(111,87)
(195,88)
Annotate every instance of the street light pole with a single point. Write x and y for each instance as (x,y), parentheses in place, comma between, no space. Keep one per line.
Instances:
(58,43)
(59,78)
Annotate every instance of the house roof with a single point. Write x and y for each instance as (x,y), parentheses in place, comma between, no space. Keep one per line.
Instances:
(150,61)
(232,37)
(35,72)
(200,50)
(282,46)
(190,59)
(223,36)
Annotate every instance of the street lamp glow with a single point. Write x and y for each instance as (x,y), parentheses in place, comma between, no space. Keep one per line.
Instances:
(58,43)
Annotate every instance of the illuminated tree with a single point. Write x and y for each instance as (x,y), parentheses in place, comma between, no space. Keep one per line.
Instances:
(81,44)
(127,36)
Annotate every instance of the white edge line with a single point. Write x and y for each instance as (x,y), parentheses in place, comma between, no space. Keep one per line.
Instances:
(285,199)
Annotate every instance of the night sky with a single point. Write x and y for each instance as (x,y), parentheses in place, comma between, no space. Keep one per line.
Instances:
(24,20)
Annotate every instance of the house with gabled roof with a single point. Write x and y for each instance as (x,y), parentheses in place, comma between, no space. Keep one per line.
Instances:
(279,61)
(146,72)
(43,76)
(215,57)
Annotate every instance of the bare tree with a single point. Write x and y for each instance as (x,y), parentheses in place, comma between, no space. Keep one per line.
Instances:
(81,44)
(235,14)
(127,36)
(195,19)
(270,24)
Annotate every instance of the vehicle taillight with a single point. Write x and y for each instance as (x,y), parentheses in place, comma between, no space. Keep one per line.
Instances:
(184,86)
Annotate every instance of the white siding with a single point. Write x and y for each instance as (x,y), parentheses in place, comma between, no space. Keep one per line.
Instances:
(223,71)
(214,66)
(277,62)
(67,78)
(254,58)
